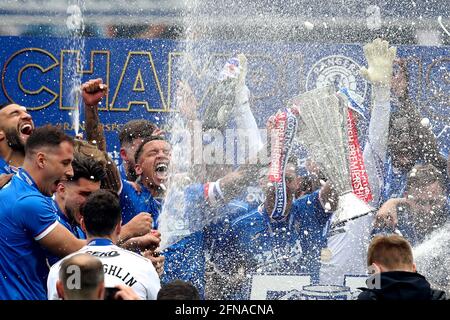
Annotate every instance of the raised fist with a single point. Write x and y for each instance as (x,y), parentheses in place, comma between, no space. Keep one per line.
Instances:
(93,91)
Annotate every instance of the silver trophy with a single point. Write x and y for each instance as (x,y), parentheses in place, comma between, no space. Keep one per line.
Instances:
(323,131)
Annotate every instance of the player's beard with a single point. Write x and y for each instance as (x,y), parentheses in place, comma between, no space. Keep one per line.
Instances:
(14,141)
(71,216)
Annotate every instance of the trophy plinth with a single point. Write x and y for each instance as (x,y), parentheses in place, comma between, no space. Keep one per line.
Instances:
(350,207)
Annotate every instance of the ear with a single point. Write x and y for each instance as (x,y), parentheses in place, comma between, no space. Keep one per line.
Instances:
(101,291)
(2,135)
(123,154)
(40,158)
(414,268)
(61,190)
(83,226)
(60,289)
(375,268)
(118,228)
(138,169)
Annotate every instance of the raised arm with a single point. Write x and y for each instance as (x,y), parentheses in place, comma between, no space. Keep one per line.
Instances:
(93,91)
(380,61)
(61,242)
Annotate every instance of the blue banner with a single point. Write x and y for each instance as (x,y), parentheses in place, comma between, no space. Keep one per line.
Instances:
(141,74)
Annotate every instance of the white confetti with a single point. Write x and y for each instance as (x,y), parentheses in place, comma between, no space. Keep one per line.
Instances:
(308,25)
(425,122)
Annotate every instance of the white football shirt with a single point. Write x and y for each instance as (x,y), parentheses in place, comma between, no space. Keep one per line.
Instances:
(119,265)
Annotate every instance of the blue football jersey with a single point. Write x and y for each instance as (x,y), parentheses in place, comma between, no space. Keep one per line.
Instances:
(262,256)
(26,216)
(394,182)
(132,203)
(186,259)
(122,172)
(6,168)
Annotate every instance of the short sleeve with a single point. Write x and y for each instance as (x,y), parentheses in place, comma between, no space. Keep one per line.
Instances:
(127,201)
(37,215)
(53,276)
(152,282)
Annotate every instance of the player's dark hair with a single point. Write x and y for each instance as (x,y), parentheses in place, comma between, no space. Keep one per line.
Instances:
(46,136)
(87,168)
(423,175)
(5,104)
(101,213)
(178,290)
(136,129)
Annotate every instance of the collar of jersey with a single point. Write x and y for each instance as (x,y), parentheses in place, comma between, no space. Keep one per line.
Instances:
(146,194)
(144,189)
(270,223)
(100,242)
(60,213)
(25,176)
(8,168)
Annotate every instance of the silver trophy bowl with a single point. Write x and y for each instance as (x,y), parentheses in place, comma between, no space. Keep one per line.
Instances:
(323,131)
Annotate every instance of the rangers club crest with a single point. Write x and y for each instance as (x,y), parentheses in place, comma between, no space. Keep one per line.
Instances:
(340,71)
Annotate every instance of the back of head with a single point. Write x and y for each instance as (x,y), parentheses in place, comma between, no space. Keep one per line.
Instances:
(45,137)
(82,277)
(178,290)
(136,129)
(392,252)
(101,213)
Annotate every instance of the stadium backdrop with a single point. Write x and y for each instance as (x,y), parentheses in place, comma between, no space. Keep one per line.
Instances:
(39,73)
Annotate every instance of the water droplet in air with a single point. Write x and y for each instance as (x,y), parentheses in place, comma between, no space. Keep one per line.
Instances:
(308,25)
(425,122)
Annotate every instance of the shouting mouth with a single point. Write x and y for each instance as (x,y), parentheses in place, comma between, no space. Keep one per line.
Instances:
(26,130)
(162,170)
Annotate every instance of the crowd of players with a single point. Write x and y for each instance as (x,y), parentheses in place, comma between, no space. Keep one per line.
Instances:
(62,196)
